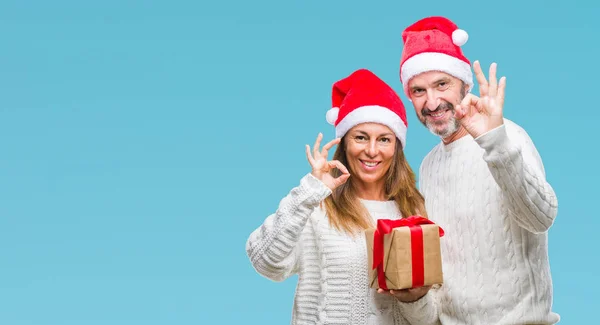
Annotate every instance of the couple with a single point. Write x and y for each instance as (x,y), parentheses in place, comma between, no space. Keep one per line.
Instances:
(484,184)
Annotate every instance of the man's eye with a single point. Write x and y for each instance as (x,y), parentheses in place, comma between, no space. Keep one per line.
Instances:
(418,92)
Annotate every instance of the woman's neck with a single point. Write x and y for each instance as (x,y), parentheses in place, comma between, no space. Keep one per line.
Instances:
(371,191)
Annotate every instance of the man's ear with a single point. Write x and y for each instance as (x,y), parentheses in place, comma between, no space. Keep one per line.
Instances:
(408,96)
(465,89)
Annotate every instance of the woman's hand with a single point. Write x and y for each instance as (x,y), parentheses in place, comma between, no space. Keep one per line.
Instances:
(321,167)
(407,295)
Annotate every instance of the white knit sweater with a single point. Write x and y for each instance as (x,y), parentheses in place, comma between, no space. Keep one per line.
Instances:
(331,266)
(491,196)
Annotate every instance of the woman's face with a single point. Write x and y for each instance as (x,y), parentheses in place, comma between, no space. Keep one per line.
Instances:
(369,152)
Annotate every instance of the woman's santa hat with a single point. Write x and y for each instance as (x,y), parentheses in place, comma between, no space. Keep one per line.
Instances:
(433,44)
(363,97)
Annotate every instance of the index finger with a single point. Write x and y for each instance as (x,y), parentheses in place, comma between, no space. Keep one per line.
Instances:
(467,103)
(338,164)
(470,99)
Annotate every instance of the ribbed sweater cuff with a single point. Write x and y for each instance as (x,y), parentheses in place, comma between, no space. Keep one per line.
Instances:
(493,139)
(420,310)
(314,189)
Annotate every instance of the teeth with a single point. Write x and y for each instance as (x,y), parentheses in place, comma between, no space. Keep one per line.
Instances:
(438,114)
(370,164)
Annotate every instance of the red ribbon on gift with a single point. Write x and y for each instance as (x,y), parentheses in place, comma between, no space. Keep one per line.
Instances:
(385,226)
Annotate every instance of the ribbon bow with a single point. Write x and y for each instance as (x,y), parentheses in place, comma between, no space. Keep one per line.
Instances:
(385,226)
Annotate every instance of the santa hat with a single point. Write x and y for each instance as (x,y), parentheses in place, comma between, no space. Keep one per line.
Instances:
(433,44)
(362,97)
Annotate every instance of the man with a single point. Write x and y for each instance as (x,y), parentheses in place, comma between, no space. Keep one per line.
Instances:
(484,184)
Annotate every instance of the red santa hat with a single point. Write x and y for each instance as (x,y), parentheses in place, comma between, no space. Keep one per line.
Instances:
(433,44)
(363,97)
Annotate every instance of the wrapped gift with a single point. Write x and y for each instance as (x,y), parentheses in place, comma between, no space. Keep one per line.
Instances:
(404,253)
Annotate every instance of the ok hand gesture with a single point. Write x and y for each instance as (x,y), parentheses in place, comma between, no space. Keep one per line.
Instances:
(479,115)
(321,167)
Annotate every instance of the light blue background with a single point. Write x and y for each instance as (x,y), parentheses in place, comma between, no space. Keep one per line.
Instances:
(142,141)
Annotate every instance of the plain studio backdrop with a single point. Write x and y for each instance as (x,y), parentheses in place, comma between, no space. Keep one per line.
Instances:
(142,141)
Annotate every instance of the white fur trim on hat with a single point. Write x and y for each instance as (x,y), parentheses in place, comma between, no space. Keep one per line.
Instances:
(434,61)
(374,114)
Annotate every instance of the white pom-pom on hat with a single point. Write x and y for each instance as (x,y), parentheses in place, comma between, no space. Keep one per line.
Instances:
(459,37)
(332,115)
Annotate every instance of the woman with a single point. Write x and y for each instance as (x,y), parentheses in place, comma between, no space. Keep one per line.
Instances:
(318,230)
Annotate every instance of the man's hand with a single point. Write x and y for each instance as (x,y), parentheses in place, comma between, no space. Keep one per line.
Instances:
(407,295)
(479,115)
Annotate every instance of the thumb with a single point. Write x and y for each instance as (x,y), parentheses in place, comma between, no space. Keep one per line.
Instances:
(340,180)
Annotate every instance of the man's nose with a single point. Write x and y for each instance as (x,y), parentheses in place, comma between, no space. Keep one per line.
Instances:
(432,102)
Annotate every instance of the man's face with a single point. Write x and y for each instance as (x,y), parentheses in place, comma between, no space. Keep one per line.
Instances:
(434,95)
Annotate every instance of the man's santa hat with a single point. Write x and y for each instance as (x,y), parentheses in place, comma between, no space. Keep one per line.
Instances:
(363,97)
(433,44)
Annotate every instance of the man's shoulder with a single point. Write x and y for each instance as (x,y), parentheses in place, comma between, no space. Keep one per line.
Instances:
(516,131)
(513,127)
(431,154)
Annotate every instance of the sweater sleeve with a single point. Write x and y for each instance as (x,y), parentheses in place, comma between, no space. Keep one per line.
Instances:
(517,168)
(423,311)
(273,247)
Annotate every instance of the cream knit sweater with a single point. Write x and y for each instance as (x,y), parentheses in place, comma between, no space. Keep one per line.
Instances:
(491,196)
(331,266)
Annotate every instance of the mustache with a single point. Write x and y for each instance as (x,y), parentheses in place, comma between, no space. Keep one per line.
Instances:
(442,107)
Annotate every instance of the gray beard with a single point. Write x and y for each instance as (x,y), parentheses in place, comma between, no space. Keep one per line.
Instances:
(451,127)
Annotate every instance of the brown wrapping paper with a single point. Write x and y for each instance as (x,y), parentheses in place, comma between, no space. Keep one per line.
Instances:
(397,258)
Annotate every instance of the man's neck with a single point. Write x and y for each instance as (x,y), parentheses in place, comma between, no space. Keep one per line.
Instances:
(461,132)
